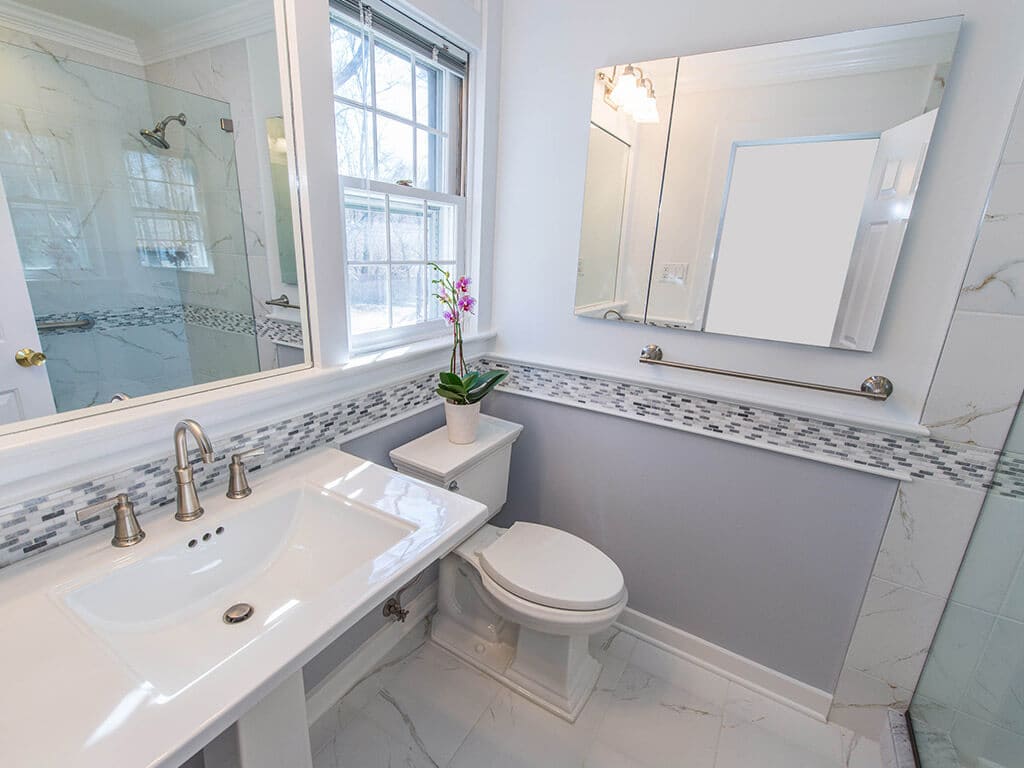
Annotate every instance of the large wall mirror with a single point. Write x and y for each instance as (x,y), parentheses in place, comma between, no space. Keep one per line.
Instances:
(146,222)
(760,192)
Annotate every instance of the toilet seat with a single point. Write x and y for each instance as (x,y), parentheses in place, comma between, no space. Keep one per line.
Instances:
(551,568)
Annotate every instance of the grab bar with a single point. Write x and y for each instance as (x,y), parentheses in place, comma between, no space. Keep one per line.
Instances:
(873,387)
(82,321)
(282,301)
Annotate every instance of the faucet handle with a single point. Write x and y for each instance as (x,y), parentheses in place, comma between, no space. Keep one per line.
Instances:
(127,531)
(238,482)
(237,458)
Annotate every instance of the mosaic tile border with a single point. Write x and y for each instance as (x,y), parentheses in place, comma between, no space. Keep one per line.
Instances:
(229,321)
(859,448)
(226,320)
(107,319)
(280,331)
(42,523)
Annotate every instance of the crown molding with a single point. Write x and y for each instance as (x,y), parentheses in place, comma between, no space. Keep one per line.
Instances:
(225,25)
(221,26)
(851,53)
(58,29)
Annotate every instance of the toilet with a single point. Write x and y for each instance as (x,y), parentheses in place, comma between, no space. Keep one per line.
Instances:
(518,603)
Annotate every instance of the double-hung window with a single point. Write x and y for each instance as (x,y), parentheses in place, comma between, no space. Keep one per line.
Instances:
(398,97)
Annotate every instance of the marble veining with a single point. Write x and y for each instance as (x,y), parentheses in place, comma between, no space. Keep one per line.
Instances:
(425,708)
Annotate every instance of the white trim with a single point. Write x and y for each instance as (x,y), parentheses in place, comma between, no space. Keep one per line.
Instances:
(766,403)
(866,51)
(368,656)
(224,25)
(795,694)
(59,29)
(41,460)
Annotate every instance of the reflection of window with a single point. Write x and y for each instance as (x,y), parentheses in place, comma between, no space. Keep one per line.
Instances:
(398,126)
(168,220)
(47,223)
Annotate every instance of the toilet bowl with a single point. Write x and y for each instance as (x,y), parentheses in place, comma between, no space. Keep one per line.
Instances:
(521,603)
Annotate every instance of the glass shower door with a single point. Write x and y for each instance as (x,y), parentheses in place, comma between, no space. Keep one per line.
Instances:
(968,710)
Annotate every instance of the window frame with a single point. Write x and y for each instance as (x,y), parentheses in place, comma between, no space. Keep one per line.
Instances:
(373,341)
(452,116)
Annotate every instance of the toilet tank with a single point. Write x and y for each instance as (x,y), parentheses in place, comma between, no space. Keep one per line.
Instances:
(478,470)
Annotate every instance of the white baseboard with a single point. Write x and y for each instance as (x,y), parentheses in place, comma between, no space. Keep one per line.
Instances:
(368,656)
(766,681)
(741,670)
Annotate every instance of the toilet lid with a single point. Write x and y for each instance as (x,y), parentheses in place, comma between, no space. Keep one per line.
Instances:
(553,568)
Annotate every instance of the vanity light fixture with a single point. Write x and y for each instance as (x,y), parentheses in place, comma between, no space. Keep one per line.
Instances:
(632,92)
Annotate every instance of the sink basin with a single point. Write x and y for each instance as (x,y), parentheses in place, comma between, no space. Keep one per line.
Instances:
(273,553)
(129,650)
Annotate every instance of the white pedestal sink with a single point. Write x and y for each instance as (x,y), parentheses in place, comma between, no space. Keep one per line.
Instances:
(149,671)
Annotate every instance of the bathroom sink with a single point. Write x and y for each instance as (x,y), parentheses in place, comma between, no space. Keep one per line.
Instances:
(274,553)
(140,634)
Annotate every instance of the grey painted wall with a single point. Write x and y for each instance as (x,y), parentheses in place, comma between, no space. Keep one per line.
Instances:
(764,554)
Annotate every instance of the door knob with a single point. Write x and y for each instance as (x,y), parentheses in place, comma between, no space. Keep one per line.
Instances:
(26,357)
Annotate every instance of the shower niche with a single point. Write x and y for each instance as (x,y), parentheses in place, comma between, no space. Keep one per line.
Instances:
(143,228)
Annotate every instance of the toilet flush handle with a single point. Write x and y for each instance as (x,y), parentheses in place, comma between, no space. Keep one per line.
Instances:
(453,486)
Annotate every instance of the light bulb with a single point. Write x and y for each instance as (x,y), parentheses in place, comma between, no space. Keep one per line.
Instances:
(646,111)
(626,92)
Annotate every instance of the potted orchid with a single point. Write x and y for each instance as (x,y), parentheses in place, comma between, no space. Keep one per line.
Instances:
(461,388)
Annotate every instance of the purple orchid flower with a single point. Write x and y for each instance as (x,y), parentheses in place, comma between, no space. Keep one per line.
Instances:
(466,303)
(462,284)
(449,317)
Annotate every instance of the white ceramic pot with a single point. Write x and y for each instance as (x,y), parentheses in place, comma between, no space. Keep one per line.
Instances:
(462,422)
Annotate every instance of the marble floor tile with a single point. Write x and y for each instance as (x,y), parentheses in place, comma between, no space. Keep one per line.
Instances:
(762,732)
(657,724)
(426,705)
(650,709)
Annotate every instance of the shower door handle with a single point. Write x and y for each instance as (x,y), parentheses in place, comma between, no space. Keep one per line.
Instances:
(27,358)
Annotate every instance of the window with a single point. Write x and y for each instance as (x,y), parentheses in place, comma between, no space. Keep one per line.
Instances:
(168,221)
(48,226)
(398,94)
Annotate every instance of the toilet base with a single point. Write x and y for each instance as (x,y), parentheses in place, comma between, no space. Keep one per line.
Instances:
(555,672)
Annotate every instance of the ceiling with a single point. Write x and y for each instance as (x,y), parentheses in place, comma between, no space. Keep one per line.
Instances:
(133,18)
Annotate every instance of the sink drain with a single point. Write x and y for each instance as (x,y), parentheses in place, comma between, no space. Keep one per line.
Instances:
(238,613)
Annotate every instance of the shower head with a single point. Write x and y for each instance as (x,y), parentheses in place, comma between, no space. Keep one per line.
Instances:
(155,135)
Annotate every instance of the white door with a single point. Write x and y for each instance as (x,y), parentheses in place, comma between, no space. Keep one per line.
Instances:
(24,392)
(891,190)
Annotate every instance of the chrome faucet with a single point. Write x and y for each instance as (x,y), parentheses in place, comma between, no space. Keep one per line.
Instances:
(189,507)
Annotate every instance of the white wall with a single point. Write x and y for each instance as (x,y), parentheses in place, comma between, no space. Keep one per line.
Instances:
(541,175)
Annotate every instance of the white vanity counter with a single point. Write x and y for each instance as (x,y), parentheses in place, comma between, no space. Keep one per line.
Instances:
(120,657)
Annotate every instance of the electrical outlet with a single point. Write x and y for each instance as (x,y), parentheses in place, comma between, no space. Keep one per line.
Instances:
(674,272)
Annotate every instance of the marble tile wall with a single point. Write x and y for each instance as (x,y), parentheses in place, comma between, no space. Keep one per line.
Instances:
(972,402)
(226,73)
(970,700)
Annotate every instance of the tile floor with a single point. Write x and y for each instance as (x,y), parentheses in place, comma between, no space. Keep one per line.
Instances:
(424,708)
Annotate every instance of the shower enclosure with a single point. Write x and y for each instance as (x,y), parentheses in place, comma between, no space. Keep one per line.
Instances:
(968,709)
(124,200)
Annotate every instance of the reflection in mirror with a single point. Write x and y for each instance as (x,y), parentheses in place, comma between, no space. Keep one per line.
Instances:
(760,192)
(145,210)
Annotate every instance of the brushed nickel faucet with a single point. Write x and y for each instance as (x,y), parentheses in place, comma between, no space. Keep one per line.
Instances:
(127,531)
(238,483)
(189,507)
